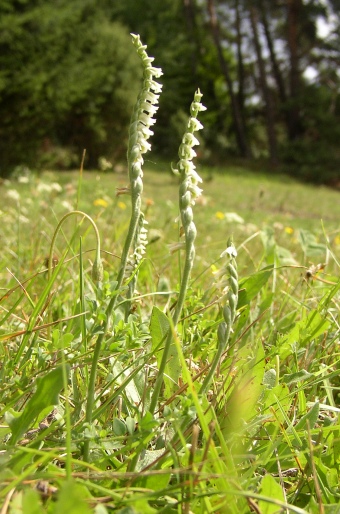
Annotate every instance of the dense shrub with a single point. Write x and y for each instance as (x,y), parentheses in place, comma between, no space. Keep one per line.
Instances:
(68,78)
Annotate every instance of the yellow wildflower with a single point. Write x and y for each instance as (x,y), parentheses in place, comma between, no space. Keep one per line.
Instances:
(100,202)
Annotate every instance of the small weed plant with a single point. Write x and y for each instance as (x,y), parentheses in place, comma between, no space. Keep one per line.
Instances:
(120,394)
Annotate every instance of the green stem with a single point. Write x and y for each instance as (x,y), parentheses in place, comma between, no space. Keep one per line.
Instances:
(206,382)
(91,393)
(189,260)
(56,232)
(136,203)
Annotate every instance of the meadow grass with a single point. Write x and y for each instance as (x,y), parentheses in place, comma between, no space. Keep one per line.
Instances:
(287,332)
(133,393)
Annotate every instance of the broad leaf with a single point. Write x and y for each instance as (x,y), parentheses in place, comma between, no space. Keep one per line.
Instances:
(309,244)
(272,490)
(72,499)
(46,395)
(252,285)
(159,329)
(311,416)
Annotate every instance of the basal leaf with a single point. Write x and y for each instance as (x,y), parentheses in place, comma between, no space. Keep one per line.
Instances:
(310,245)
(31,502)
(299,376)
(159,328)
(307,329)
(272,489)
(45,395)
(72,499)
(269,379)
(250,286)
(311,416)
(241,405)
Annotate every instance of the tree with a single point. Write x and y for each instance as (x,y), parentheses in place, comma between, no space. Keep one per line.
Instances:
(69,78)
(236,109)
(266,93)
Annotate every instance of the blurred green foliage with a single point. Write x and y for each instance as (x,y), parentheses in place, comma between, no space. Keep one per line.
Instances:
(68,79)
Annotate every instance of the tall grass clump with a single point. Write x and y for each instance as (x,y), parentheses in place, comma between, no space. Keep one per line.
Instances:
(218,394)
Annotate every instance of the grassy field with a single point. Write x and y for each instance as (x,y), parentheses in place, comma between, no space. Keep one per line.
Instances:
(244,422)
(261,203)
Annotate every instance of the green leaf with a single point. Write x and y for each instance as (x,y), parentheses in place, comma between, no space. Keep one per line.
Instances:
(154,482)
(26,502)
(307,329)
(130,424)
(284,256)
(269,379)
(71,499)
(148,422)
(309,244)
(277,395)
(31,502)
(299,376)
(241,405)
(311,416)
(159,328)
(250,286)
(119,427)
(271,489)
(100,509)
(46,395)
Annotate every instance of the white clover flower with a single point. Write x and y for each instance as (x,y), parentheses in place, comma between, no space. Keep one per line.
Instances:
(56,187)
(13,195)
(23,219)
(67,206)
(233,217)
(23,179)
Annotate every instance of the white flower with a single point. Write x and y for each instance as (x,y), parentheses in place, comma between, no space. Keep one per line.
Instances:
(155,86)
(56,187)
(231,251)
(13,195)
(195,191)
(44,188)
(67,206)
(233,217)
(23,219)
(196,107)
(190,139)
(23,179)
(194,125)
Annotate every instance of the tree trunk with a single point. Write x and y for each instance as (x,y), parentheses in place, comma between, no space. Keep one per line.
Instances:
(273,59)
(190,18)
(235,108)
(293,21)
(266,94)
(240,64)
